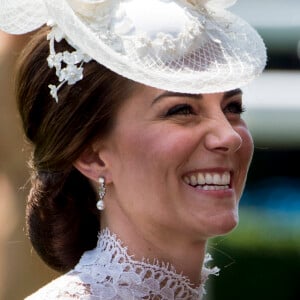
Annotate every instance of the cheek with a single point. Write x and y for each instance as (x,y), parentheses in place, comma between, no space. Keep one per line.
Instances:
(145,165)
(160,147)
(245,154)
(151,157)
(247,146)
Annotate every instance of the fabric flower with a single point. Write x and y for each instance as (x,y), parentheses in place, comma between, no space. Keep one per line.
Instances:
(55,33)
(142,44)
(90,8)
(54,60)
(213,4)
(72,58)
(71,74)
(165,42)
(53,92)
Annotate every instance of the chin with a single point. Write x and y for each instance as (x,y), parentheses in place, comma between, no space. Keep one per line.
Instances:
(224,224)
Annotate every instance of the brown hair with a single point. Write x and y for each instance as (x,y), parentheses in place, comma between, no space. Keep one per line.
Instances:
(62,220)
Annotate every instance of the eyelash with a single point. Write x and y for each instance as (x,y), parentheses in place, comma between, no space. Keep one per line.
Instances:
(234,107)
(180,109)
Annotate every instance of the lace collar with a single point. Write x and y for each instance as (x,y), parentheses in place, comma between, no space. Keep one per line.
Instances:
(113,274)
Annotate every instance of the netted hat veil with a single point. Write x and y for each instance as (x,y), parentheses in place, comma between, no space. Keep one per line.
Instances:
(188,46)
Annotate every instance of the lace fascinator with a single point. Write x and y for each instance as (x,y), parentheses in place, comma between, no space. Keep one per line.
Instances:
(188,46)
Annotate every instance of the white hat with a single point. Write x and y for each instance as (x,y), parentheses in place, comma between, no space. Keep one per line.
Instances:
(188,46)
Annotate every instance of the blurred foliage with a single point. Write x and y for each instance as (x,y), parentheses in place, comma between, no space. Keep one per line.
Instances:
(259,260)
(259,230)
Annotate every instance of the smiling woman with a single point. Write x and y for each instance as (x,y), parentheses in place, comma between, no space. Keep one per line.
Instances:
(140,118)
(178,130)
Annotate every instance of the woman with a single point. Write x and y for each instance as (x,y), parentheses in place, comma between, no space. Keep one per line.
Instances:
(143,121)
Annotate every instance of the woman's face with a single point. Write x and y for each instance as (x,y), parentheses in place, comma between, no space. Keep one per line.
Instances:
(178,162)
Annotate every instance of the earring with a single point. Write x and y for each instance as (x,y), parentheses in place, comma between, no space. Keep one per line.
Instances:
(102,190)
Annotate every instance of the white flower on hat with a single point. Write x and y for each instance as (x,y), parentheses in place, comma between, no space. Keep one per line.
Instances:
(68,65)
(91,9)
(71,74)
(53,92)
(213,4)
(54,60)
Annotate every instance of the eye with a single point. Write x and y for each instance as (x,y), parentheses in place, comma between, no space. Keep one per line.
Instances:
(234,107)
(180,109)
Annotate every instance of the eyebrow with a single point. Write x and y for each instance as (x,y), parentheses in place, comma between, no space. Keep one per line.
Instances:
(175,94)
(232,93)
(226,95)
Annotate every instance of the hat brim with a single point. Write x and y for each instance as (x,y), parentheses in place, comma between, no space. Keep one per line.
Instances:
(232,56)
(22,16)
(234,62)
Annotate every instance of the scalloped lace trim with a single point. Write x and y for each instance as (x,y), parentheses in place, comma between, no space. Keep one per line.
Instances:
(109,273)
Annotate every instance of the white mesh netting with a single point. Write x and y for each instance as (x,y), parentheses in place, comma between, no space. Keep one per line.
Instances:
(226,54)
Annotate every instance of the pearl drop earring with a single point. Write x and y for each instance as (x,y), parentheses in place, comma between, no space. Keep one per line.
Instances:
(102,190)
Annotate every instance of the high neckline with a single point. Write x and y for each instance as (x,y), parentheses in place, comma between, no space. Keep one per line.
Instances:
(116,273)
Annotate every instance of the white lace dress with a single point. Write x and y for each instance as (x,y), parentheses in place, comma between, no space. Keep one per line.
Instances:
(109,273)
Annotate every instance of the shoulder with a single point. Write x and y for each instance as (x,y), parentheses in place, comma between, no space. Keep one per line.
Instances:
(68,286)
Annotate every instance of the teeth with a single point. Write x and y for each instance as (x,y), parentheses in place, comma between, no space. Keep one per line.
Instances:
(212,187)
(217,179)
(201,179)
(193,180)
(208,178)
(226,178)
(204,179)
(186,180)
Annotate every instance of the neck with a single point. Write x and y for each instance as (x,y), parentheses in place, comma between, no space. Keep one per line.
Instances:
(183,253)
(186,256)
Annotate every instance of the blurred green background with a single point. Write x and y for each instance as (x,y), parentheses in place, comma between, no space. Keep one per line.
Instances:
(261,258)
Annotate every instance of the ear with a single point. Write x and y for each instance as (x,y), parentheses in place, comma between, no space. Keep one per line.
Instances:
(91,165)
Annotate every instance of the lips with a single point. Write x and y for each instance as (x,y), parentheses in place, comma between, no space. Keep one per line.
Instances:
(209,181)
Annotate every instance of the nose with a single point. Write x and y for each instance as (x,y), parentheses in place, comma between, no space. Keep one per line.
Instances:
(222,137)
